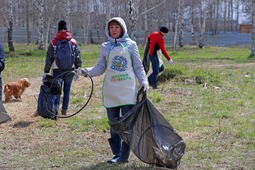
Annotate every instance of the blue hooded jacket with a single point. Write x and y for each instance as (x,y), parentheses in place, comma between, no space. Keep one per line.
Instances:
(2,57)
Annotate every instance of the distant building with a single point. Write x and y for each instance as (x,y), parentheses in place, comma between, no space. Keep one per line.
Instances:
(245,28)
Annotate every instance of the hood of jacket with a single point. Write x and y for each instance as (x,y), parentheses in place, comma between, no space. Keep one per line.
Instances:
(122,24)
(64,35)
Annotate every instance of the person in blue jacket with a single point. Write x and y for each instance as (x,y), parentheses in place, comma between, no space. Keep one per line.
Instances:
(2,65)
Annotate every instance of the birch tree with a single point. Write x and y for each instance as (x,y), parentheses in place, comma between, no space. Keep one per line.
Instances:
(28,21)
(191,22)
(40,7)
(202,21)
(253,28)
(10,26)
(50,12)
(181,22)
(133,16)
(175,33)
(225,15)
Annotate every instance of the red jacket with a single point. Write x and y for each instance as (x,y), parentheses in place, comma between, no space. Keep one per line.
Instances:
(157,42)
(63,35)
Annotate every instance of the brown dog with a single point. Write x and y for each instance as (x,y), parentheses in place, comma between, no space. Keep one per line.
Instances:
(15,89)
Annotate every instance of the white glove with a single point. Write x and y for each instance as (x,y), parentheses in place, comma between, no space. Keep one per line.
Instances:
(82,72)
(76,77)
(85,72)
(145,87)
(170,61)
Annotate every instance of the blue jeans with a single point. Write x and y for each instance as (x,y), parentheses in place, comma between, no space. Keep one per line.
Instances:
(1,90)
(119,148)
(153,78)
(67,78)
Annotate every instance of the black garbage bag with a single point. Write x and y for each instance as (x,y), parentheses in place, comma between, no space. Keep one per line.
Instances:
(49,91)
(4,117)
(150,136)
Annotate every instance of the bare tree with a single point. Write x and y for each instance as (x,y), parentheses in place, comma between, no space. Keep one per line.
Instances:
(133,16)
(237,14)
(202,21)
(27,22)
(40,6)
(253,30)
(181,22)
(50,9)
(191,22)
(225,15)
(10,27)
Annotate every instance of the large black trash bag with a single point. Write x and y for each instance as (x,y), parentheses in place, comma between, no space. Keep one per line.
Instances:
(49,91)
(4,117)
(150,136)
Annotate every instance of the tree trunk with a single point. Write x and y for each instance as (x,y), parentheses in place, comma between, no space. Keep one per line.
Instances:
(225,15)
(133,16)
(181,23)
(40,25)
(202,23)
(217,16)
(10,27)
(253,30)
(50,17)
(237,16)
(27,23)
(191,20)
(175,32)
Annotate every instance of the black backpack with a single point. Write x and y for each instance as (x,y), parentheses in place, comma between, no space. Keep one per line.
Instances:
(64,55)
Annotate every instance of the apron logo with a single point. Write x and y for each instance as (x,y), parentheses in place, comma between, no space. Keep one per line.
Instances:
(119,63)
(120,77)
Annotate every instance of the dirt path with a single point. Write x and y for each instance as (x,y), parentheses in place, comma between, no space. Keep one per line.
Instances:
(24,109)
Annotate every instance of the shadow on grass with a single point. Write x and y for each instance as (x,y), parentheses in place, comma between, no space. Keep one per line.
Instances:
(128,166)
(22,124)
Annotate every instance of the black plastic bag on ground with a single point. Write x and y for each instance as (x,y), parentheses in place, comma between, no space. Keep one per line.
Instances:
(150,136)
(49,91)
(4,117)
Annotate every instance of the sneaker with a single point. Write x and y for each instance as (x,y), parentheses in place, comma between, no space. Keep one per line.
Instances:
(114,160)
(154,87)
(63,112)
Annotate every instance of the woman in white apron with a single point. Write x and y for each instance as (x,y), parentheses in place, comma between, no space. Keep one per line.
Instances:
(121,62)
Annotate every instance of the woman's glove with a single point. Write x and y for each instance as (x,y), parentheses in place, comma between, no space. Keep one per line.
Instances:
(145,87)
(85,72)
(82,72)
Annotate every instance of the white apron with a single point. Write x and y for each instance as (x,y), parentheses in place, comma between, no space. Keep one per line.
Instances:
(119,87)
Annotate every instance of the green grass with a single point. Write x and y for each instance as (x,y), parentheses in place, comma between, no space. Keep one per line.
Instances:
(217,121)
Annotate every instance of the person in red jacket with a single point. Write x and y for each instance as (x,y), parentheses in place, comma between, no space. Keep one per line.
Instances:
(157,43)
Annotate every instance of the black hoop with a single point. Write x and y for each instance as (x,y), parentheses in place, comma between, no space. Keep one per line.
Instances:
(86,103)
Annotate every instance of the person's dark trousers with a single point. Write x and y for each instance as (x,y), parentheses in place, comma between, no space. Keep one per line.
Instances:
(153,78)
(119,147)
(1,90)
(67,77)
